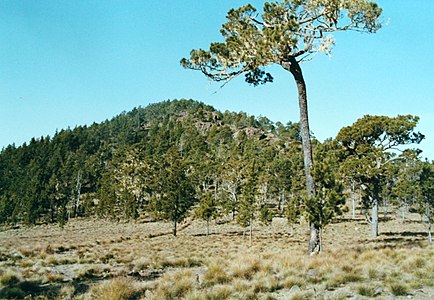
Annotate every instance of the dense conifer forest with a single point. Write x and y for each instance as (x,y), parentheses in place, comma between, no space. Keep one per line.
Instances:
(130,165)
(183,158)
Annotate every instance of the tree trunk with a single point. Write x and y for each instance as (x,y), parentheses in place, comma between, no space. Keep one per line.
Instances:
(174,228)
(251,231)
(78,190)
(353,199)
(294,68)
(207,227)
(374,217)
(404,209)
(429,234)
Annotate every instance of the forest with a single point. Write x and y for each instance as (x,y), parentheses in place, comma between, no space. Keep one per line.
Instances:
(182,158)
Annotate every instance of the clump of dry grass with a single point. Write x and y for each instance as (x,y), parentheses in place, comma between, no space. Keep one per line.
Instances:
(367,290)
(218,292)
(179,262)
(264,283)
(66,292)
(215,274)
(174,286)
(294,280)
(247,266)
(116,289)
(399,289)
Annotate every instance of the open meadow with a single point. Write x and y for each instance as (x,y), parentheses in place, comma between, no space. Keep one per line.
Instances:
(96,259)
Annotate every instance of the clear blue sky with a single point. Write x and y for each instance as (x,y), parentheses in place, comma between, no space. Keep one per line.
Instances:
(68,63)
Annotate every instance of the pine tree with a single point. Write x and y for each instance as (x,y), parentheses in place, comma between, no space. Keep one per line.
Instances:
(368,148)
(175,194)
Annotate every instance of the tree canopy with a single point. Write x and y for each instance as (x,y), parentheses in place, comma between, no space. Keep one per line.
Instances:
(284,31)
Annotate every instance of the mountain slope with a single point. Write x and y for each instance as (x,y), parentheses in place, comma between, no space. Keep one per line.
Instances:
(89,170)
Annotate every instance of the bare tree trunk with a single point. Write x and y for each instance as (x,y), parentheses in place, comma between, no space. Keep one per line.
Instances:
(429,234)
(374,217)
(78,190)
(174,228)
(428,215)
(294,68)
(353,199)
(251,231)
(207,227)
(404,210)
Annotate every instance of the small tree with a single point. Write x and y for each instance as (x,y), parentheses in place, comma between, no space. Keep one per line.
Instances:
(405,177)
(369,145)
(248,206)
(208,208)
(286,34)
(175,192)
(426,200)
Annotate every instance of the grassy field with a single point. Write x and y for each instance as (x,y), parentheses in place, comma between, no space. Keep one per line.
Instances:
(95,259)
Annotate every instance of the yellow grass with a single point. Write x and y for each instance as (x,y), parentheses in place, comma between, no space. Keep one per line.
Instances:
(90,259)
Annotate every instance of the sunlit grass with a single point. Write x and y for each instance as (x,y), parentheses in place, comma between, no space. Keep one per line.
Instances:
(145,261)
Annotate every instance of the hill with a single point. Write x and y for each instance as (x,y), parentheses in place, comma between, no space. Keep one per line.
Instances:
(110,169)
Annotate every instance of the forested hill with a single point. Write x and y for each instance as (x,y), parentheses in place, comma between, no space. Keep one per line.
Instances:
(122,167)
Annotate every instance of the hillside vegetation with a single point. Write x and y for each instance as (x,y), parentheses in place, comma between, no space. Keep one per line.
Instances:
(182,158)
(113,169)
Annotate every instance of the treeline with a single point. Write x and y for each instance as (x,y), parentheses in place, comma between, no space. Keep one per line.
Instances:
(121,168)
(182,157)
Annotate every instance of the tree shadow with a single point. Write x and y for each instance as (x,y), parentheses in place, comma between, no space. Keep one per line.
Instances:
(405,234)
(348,220)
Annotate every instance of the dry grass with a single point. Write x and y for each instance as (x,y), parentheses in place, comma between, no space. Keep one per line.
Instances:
(115,289)
(90,259)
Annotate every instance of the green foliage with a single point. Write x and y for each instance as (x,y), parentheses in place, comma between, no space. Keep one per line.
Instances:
(285,30)
(329,199)
(174,191)
(208,207)
(369,146)
(248,203)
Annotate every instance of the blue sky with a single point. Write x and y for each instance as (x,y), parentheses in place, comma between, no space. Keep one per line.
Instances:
(68,63)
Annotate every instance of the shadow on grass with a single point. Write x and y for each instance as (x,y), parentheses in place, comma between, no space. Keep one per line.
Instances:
(406,234)
(348,220)
(33,289)
(22,289)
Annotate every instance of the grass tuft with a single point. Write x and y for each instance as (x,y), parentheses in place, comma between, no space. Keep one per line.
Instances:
(215,275)
(366,290)
(116,289)
(174,286)
(399,289)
